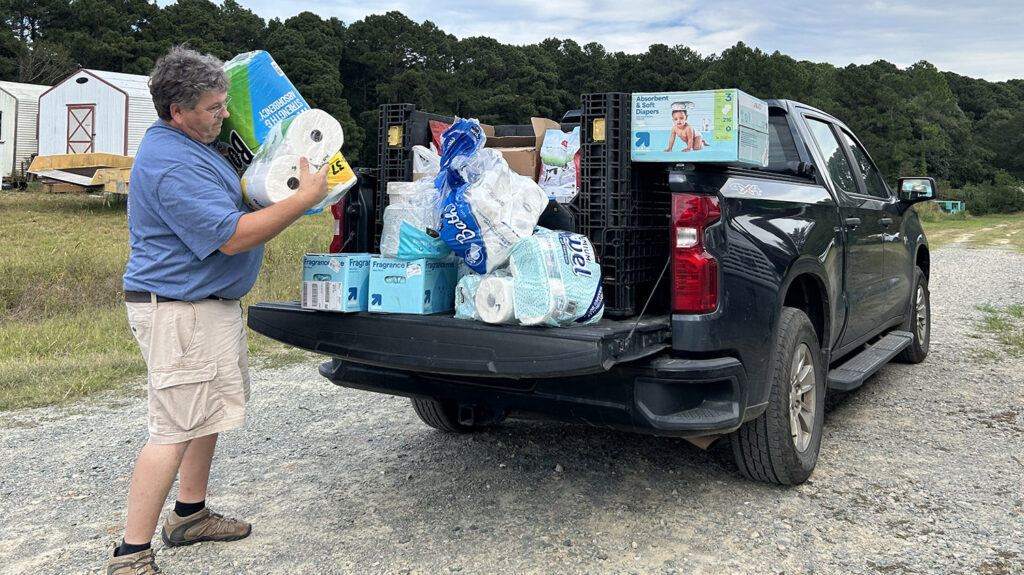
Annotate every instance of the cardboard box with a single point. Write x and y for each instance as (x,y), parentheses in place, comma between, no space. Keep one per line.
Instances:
(421,286)
(725,126)
(335,282)
(521,152)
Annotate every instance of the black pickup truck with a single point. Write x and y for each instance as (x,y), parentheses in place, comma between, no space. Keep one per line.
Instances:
(736,298)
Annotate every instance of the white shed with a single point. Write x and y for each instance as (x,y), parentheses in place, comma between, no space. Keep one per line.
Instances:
(19,112)
(92,111)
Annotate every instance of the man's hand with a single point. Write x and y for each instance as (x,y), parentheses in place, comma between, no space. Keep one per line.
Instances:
(259,227)
(312,185)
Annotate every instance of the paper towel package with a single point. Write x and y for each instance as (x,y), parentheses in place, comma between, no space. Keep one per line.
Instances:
(335,282)
(422,286)
(260,97)
(557,280)
(726,126)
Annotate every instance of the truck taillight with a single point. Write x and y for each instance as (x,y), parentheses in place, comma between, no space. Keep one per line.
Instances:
(694,270)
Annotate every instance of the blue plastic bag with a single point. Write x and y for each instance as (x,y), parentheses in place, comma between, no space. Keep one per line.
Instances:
(458,228)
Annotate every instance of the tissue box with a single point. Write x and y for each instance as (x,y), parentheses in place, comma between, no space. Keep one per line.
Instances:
(726,126)
(420,286)
(335,282)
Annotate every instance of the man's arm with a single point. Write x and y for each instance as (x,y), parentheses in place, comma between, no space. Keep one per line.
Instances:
(259,227)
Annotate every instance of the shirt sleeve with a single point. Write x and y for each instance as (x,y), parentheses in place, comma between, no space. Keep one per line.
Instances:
(197,206)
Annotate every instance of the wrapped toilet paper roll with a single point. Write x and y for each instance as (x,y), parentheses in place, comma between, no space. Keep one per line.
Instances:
(267,182)
(495,300)
(314,134)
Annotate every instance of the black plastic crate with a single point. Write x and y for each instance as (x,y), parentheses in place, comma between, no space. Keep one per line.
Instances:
(626,219)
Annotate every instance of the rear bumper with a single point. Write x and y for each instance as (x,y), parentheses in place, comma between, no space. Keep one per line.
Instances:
(660,396)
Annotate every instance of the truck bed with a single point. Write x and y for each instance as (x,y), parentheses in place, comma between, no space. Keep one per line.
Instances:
(443,344)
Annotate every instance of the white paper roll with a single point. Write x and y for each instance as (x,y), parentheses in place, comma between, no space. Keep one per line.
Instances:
(267,182)
(495,300)
(314,134)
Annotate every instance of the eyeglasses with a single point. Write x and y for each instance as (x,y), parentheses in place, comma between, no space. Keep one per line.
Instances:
(219,109)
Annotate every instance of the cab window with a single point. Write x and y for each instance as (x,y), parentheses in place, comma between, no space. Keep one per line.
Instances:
(873,182)
(835,160)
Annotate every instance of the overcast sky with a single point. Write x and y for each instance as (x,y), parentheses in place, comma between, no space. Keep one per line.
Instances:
(976,38)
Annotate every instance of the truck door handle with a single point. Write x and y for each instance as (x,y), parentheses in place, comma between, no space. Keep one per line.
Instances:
(885,221)
(852,222)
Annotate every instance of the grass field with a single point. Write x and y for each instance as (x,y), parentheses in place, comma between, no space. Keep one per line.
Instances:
(63,329)
(999,230)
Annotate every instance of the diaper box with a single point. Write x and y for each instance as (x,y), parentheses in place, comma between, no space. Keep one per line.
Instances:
(725,126)
(421,286)
(335,282)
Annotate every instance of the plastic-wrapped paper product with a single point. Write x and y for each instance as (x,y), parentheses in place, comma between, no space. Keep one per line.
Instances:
(486,208)
(495,299)
(557,279)
(260,97)
(559,156)
(313,134)
(465,296)
(268,182)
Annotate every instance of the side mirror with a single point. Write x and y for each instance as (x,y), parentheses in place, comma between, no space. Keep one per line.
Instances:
(916,189)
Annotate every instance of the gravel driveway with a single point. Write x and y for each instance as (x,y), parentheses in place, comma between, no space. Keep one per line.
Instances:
(921,471)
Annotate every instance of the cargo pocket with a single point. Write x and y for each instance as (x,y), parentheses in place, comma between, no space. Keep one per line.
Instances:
(180,398)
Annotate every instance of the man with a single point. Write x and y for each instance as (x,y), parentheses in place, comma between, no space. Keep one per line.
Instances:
(195,250)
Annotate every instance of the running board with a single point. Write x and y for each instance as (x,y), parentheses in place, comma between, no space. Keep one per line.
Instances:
(852,374)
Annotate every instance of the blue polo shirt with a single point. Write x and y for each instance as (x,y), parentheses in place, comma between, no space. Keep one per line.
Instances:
(184,202)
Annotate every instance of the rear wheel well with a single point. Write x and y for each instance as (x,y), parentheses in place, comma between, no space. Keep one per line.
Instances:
(806,293)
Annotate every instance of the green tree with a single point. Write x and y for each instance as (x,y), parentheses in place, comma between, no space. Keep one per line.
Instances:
(309,50)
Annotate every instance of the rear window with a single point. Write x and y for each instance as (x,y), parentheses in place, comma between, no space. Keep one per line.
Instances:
(782,154)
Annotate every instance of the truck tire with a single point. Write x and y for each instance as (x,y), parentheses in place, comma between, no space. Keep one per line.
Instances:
(781,445)
(440,414)
(919,322)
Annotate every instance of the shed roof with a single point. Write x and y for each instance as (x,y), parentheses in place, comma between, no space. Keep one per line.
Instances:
(135,85)
(22,91)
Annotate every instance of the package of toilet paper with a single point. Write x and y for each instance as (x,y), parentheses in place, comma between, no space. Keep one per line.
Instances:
(486,208)
(557,279)
(273,174)
(465,296)
(495,298)
(260,96)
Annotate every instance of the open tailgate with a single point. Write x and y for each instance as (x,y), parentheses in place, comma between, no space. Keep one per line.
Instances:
(443,344)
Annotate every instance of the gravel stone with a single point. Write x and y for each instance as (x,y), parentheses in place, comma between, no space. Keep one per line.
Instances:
(920,472)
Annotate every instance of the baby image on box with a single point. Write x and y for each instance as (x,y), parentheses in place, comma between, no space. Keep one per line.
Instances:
(692,139)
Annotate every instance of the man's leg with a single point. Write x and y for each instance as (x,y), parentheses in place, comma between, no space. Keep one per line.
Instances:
(190,523)
(194,473)
(154,473)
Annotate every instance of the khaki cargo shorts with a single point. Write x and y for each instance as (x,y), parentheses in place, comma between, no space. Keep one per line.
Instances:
(198,366)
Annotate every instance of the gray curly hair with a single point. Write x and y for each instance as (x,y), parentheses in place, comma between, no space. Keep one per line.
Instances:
(182,76)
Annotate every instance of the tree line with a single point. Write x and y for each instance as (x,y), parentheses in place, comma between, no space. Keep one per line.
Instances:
(965,132)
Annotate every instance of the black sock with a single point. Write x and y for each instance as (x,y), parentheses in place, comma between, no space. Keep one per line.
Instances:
(127,548)
(186,509)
